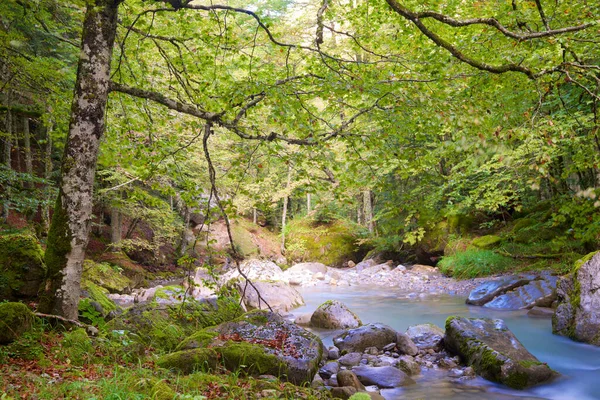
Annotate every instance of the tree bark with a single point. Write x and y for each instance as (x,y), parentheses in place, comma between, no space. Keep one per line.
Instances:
(368,210)
(47,173)
(7,162)
(69,230)
(27,145)
(285,209)
(115,227)
(308,203)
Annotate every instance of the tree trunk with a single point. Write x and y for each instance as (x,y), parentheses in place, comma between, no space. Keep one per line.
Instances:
(368,210)
(47,173)
(115,227)
(69,230)
(285,209)
(7,162)
(27,145)
(307,203)
(254,216)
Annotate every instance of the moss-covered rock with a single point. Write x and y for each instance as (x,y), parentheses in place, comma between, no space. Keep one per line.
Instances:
(334,315)
(259,342)
(188,361)
(486,242)
(99,295)
(106,275)
(22,267)
(578,313)
(494,352)
(15,319)
(331,243)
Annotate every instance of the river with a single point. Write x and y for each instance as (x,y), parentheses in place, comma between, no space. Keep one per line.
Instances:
(578,363)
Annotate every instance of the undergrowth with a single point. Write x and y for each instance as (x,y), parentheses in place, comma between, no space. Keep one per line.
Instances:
(474,263)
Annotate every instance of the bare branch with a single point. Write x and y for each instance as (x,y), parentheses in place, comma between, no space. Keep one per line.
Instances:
(319,34)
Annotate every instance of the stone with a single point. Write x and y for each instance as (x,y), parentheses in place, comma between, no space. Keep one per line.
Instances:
(426,336)
(15,320)
(486,291)
(389,347)
(334,315)
(424,270)
(365,264)
(303,319)
(372,351)
(312,267)
(329,369)
(343,392)
(204,283)
(544,312)
(578,312)
(350,359)
(279,295)
(22,268)
(253,344)
(376,269)
(383,377)
(408,365)
(349,378)
(333,353)
(319,275)
(541,293)
(359,339)
(351,264)
(255,270)
(494,352)
(405,344)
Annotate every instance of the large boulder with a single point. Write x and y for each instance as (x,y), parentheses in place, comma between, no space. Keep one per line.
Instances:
(370,335)
(384,377)
(494,352)
(334,315)
(405,345)
(22,267)
(578,313)
(540,293)
(426,336)
(254,270)
(486,291)
(307,267)
(258,343)
(15,319)
(279,295)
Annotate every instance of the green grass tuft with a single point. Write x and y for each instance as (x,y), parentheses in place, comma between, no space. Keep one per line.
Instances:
(474,263)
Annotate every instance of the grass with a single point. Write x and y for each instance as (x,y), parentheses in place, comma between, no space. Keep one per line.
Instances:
(50,364)
(474,263)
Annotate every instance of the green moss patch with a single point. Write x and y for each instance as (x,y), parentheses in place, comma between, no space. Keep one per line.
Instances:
(15,319)
(188,361)
(22,267)
(486,242)
(106,275)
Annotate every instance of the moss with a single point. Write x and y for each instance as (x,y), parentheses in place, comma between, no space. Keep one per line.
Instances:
(199,339)
(332,243)
(517,380)
(15,319)
(99,295)
(242,238)
(105,275)
(486,242)
(529,363)
(250,358)
(459,223)
(77,347)
(22,267)
(360,396)
(162,391)
(188,361)
(579,263)
(170,292)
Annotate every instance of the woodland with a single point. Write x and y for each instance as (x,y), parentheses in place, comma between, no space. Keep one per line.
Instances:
(457,134)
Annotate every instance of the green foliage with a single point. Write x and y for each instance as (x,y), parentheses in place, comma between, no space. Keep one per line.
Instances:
(77,347)
(473,263)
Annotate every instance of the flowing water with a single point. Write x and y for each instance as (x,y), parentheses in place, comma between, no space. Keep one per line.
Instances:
(578,363)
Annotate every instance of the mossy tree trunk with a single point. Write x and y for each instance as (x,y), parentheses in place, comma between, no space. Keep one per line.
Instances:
(7,160)
(27,148)
(47,173)
(69,230)
(368,210)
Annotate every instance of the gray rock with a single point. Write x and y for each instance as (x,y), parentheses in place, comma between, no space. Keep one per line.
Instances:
(578,313)
(279,295)
(303,319)
(329,369)
(405,344)
(372,351)
(384,377)
(389,347)
(545,312)
(365,264)
(312,267)
(359,339)
(488,290)
(426,336)
(494,352)
(350,359)
(343,392)
(409,365)
(334,315)
(349,378)
(539,293)
(333,353)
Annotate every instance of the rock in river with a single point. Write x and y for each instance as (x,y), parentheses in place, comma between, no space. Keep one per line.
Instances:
(490,289)
(334,315)
(540,293)
(426,336)
(494,352)
(371,335)
(578,313)
(384,377)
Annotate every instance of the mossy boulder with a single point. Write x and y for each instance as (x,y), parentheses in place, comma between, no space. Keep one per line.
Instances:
(99,295)
(15,319)
(331,243)
(487,241)
(494,352)
(259,342)
(578,313)
(163,325)
(22,267)
(188,361)
(334,315)
(459,223)
(106,275)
